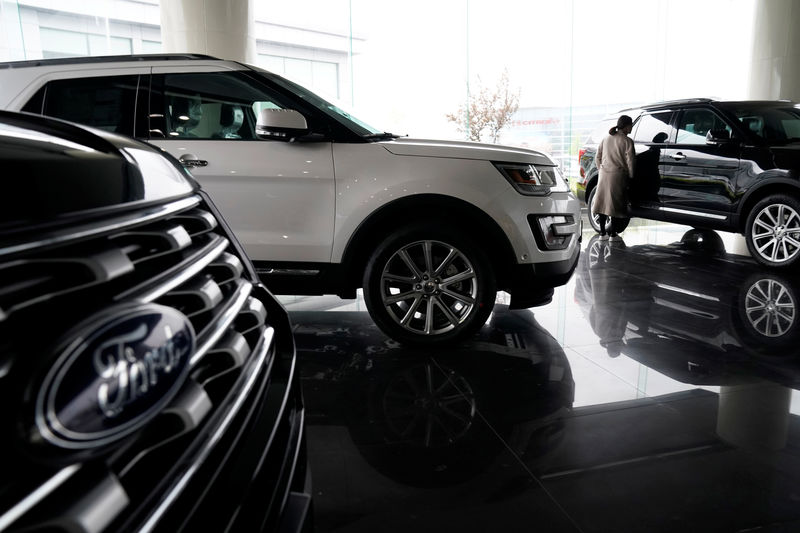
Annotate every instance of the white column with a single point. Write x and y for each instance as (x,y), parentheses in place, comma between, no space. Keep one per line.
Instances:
(220,28)
(775,66)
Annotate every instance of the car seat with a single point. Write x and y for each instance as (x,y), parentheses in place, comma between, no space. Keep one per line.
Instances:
(231,118)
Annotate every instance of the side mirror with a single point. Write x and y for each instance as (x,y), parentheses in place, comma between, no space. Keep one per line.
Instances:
(280,124)
(722,136)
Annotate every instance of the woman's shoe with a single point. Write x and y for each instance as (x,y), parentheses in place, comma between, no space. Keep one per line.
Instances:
(616,238)
(603,237)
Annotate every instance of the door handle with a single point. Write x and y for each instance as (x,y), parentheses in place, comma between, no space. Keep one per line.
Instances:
(678,157)
(191,161)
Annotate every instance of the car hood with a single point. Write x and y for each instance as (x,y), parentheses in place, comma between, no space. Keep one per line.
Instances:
(53,169)
(465,150)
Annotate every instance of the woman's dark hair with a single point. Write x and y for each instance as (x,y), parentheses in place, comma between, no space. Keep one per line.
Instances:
(622,121)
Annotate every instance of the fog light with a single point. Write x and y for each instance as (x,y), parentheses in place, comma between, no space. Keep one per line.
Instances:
(556,230)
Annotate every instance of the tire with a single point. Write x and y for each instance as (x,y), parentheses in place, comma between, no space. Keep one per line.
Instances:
(401,300)
(622,223)
(772,231)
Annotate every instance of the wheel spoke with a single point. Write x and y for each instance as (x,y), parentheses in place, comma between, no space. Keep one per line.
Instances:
(411,310)
(792,216)
(393,299)
(427,249)
(409,263)
(450,256)
(771,218)
(764,225)
(762,248)
(429,317)
(460,297)
(758,320)
(467,274)
(792,241)
(395,277)
(429,388)
(785,250)
(447,312)
(787,318)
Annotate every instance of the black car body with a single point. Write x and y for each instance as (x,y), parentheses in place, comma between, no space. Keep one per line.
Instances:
(730,166)
(148,380)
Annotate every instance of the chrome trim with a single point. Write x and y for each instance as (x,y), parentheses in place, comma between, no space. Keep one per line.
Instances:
(692,213)
(565,229)
(183,276)
(223,322)
(233,410)
(97,509)
(287,271)
(116,224)
(32,499)
(687,292)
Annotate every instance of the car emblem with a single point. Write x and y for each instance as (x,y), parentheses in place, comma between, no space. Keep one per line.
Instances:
(114,375)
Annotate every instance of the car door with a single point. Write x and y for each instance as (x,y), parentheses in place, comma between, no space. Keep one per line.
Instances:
(277,196)
(699,177)
(651,137)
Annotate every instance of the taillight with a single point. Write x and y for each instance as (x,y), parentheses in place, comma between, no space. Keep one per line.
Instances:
(580,159)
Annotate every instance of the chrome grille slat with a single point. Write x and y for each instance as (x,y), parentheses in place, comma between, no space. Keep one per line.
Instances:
(90,230)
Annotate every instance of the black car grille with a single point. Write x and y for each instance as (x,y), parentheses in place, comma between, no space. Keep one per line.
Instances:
(234,425)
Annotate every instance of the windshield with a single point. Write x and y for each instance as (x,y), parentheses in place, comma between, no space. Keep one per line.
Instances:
(333,111)
(771,123)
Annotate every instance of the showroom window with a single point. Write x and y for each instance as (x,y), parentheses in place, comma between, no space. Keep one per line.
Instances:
(212,105)
(695,124)
(319,76)
(62,43)
(653,128)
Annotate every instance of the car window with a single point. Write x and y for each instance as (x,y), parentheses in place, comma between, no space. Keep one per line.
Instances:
(697,125)
(208,105)
(653,128)
(106,103)
(771,123)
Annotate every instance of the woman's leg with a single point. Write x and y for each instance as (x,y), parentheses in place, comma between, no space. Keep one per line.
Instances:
(602,220)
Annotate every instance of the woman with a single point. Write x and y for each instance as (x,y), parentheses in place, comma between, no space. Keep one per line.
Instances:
(614,159)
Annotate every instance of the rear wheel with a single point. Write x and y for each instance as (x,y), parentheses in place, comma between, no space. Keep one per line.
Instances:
(429,284)
(773,231)
(594,219)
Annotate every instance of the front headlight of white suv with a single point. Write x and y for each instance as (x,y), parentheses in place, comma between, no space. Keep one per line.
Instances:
(533,180)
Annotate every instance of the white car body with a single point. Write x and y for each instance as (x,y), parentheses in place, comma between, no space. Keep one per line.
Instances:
(299,206)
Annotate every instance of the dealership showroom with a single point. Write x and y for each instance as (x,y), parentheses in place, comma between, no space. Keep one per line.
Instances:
(370,266)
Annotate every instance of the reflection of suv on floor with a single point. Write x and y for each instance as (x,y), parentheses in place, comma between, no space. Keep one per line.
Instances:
(730,166)
(325,204)
(148,380)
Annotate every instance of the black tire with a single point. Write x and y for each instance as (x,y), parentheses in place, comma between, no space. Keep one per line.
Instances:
(621,223)
(772,231)
(456,308)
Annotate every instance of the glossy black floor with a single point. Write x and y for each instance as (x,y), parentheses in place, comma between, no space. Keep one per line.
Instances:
(657,392)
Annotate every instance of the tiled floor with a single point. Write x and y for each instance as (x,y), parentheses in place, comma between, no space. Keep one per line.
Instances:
(651,395)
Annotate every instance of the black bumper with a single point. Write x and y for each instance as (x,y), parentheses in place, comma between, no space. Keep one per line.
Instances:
(533,284)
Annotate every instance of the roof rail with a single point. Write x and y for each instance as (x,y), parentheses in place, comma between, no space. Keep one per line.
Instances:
(101,59)
(681,101)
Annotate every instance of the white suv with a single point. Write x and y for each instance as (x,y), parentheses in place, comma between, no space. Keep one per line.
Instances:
(325,204)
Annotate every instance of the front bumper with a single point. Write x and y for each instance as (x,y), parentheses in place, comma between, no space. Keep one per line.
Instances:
(532,285)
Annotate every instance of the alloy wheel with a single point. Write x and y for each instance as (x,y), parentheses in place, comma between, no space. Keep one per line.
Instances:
(776,233)
(429,287)
(770,308)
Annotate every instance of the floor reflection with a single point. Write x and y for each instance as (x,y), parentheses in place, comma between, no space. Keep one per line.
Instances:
(654,394)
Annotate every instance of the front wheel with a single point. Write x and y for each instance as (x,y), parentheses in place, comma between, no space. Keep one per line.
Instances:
(773,231)
(429,285)
(594,219)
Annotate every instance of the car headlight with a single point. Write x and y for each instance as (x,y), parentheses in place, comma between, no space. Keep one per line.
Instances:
(533,180)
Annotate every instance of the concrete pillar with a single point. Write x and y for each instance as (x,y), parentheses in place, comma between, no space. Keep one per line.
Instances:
(775,66)
(754,416)
(220,28)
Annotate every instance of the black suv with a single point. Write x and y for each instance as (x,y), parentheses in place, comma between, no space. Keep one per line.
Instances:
(730,166)
(148,381)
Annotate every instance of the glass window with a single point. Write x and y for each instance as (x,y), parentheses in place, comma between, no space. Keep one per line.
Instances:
(696,125)
(61,43)
(771,123)
(213,105)
(107,103)
(151,47)
(99,45)
(653,128)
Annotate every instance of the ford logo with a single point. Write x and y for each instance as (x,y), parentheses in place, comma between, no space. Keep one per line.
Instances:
(114,375)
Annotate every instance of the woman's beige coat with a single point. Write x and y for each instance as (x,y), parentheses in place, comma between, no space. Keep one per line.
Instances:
(615,159)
